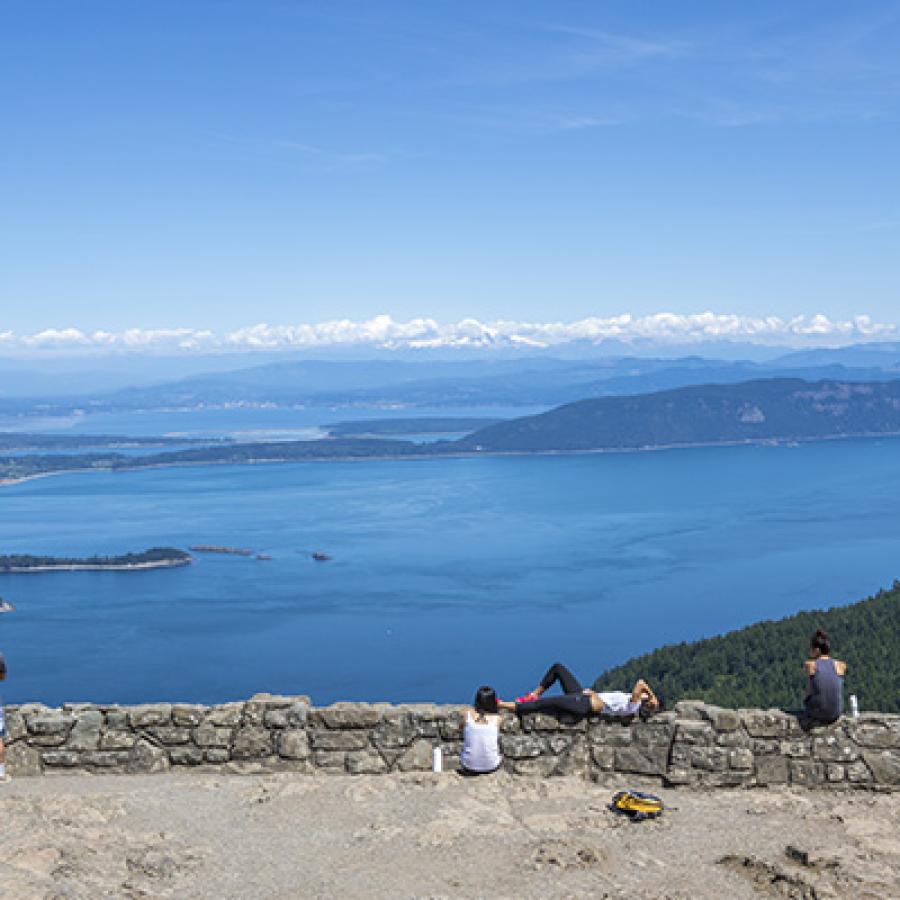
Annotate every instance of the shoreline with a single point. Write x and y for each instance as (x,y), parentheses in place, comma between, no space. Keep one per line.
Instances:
(98,567)
(786,442)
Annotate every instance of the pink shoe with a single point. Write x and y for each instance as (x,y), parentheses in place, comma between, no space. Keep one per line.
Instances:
(528,698)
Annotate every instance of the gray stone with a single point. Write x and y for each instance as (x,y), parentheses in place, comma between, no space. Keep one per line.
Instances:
(641,761)
(23,760)
(658,733)
(733,739)
(678,776)
(740,759)
(256,708)
(330,760)
(346,715)
(885,766)
(51,723)
(416,758)
(771,769)
(293,744)
(217,755)
(768,724)
(796,749)
(725,779)
(876,733)
(147,758)
(806,772)
(693,732)
(186,756)
(60,758)
(724,719)
(339,740)
(396,729)
(451,728)
(603,757)
(85,734)
(150,714)
(835,773)
(251,742)
(15,726)
(691,709)
(171,734)
(612,734)
(709,759)
(858,773)
(834,748)
(521,746)
(104,759)
(544,722)
(117,720)
(225,715)
(208,735)
(187,715)
(366,762)
(117,740)
(559,743)
(47,740)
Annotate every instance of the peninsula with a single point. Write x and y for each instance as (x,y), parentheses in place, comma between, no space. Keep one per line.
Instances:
(762,411)
(154,558)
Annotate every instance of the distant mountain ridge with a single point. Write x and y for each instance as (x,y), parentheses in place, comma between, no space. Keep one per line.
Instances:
(767,409)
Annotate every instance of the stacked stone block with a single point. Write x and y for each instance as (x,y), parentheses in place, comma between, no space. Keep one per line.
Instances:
(694,744)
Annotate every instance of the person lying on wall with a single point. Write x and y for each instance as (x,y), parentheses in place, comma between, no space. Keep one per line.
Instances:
(580,701)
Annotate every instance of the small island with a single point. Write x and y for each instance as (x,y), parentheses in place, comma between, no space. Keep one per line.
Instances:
(154,558)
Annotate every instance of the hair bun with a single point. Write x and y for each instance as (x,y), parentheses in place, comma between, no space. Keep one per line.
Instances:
(822,634)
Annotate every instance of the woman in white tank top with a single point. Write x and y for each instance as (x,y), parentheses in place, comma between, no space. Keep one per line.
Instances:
(481,735)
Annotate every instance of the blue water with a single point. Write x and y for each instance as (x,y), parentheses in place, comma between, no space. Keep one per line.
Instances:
(446,573)
(244,423)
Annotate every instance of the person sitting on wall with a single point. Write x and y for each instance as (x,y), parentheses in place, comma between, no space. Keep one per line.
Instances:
(4,777)
(481,735)
(579,701)
(824,701)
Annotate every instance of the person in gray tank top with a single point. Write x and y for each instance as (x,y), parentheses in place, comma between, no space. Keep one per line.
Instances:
(824,700)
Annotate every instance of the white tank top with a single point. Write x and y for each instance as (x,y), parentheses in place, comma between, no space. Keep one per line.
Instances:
(481,746)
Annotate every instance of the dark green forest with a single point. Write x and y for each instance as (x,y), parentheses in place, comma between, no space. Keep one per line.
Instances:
(761,665)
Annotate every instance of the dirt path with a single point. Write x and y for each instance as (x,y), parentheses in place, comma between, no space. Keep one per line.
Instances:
(189,836)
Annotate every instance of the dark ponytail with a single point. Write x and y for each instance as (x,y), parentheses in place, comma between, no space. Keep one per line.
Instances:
(820,642)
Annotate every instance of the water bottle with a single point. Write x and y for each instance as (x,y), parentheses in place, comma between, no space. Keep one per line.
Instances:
(854,706)
(437,762)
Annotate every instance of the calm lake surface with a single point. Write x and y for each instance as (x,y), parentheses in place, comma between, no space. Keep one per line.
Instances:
(446,573)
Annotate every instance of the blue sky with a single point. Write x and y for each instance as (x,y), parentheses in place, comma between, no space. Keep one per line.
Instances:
(213,165)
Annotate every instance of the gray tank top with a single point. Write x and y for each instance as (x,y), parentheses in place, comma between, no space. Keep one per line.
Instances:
(825,698)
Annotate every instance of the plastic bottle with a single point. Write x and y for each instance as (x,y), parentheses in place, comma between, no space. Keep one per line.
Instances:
(854,706)
(437,761)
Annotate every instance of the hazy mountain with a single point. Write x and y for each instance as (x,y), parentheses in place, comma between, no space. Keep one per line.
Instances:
(885,355)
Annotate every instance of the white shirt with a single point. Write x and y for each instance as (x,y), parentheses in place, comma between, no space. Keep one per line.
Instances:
(618,703)
(481,744)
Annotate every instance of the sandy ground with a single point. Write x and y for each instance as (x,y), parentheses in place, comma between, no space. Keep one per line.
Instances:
(424,835)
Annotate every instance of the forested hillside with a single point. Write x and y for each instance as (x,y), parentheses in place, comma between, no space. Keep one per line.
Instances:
(768,409)
(761,665)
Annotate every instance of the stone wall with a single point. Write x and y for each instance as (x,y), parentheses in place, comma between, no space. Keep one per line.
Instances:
(692,744)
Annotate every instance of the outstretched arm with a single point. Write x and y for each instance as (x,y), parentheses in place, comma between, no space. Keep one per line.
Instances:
(642,691)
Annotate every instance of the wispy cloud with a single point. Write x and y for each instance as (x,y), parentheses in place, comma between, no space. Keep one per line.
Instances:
(384,332)
(312,155)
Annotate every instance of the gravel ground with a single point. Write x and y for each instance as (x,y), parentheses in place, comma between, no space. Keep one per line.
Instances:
(424,835)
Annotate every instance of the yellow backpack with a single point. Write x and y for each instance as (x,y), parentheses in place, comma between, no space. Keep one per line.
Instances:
(637,805)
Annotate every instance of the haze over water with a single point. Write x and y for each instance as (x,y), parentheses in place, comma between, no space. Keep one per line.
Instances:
(447,573)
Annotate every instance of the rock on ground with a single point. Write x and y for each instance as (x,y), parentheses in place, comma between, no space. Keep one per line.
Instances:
(424,835)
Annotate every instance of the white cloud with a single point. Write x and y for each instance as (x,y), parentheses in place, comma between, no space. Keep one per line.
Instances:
(384,332)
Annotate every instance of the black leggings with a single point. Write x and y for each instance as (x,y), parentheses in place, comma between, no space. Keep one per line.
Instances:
(573,701)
